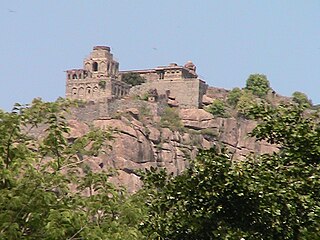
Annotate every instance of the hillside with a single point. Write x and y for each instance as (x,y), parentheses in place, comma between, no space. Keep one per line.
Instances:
(58,166)
(154,134)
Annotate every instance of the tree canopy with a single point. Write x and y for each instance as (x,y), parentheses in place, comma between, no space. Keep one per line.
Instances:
(38,175)
(48,192)
(301,99)
(258,84)
(133,78)
(273,196)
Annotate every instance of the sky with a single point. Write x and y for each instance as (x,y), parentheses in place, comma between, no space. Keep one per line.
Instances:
(227,41)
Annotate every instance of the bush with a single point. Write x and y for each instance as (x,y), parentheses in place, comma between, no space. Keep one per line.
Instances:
(170,119)
(245,104)
(258,84)
(301,99)
(234,96)
(133,78)
(217,108)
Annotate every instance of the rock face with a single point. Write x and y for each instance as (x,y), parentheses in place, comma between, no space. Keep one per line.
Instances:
(140,142)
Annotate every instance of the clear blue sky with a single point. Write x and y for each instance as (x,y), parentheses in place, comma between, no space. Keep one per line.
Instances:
(227,40)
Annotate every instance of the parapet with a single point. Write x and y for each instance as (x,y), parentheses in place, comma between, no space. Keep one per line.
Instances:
(101,48)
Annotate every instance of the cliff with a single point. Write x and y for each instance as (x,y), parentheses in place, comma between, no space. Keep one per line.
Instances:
(151,134)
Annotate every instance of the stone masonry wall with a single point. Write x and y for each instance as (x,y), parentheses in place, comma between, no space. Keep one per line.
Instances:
(188,92)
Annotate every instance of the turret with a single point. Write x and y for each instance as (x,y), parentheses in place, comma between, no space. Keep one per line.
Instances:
(100,62)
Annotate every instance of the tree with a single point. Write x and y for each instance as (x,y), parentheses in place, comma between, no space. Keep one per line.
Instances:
(301,99)
(273,196)
(258,84)
(36,174)
(133,78)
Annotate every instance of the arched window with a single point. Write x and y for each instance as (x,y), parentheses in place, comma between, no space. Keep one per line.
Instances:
(74,91)
(88,90)
(81,92)
(94,66)
(74,76)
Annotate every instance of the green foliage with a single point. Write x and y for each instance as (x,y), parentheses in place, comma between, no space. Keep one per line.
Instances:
(217,108)
(170,119)
(209,132)
(245,104)
(133,78)
(258,84)
(102,84)
(301,99)
(234,96)
(274,196)
(36,174)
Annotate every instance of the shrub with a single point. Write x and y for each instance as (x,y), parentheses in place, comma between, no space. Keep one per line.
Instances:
(217,108)
(301,99)
(209,132)
(170,119)
(133,78)
(245,104)
(234,96)
(258,84)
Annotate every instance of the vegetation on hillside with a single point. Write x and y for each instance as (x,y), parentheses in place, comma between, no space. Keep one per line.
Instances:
(301,99)
(258,84)
(133,78)
(217,108)
(272,196)
(170,119)
(239,102)
(37,175)
(47,191)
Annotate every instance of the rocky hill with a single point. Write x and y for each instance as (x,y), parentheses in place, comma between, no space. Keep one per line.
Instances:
(153,134)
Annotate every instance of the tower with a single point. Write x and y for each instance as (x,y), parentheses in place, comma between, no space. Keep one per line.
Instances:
(101,63)
(98,80)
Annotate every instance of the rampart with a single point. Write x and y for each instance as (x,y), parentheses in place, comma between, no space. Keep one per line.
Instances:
(187,92)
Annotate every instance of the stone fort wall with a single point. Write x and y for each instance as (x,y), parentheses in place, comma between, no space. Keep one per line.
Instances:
(187,92)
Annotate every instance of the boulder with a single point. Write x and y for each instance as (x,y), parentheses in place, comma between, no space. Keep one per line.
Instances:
(196,119)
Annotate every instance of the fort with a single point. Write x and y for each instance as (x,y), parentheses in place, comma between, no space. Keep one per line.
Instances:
(101,81)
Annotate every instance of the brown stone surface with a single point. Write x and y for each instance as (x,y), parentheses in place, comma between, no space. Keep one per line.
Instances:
(197,118)
(140,144)
(207,100)
(77,129)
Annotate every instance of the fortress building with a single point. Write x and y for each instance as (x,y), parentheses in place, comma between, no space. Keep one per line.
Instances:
(100,80)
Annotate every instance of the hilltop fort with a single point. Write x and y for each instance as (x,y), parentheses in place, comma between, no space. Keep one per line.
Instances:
(160,122)
(101,81)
